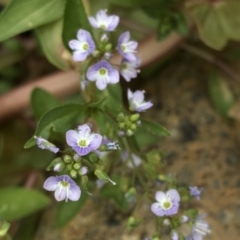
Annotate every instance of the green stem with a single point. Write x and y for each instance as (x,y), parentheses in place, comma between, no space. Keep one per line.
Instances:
(134,165)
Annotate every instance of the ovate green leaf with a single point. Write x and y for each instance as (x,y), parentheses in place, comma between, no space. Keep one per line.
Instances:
(59,119)
(50,38)
(42,101)
(16,203)
(22,15)
(75,17)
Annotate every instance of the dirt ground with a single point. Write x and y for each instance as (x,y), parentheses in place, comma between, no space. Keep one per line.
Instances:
(203,150)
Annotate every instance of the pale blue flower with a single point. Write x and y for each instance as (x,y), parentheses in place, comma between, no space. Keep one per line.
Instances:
(103,21)
(167,203)
(195,192)
(103,74)
(83,46)
(174,235)
(200,229)
(129,70)
(64,187)
(126,47)
(136,101)
(44,144)
(82,141)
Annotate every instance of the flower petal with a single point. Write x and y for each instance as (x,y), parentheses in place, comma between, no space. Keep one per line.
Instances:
(157,209)
(173,195)
(74,192)
(93,22)
(60,193)
(95,141)
(51,184)
(72,138)
(79,56)
(113,76)
(74,44)
(84,131)
(160,196)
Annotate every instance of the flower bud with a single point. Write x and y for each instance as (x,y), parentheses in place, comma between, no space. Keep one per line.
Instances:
(54,162)
(67,159)
(184,219)
(76,166)
(129,132)
(108,47)
(59,167)
(134,117)
(120,117)
(121,125)
(69,167)
(107,55)
(133,126)
(104,38)
(76,158)
(73,173)
(83,171)
(166,222)
(103,176)
(95,53)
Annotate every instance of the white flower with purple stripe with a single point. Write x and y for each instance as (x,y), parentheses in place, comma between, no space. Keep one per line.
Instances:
(103,21)
(83,46)
(103,74)
(44,144)
(200,229)
(126,47)
(65,188)
(129,69)
(195,192)
(82,141)
(136,101)
(167,203)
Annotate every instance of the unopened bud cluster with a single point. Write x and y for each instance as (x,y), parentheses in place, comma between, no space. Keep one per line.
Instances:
(128,124)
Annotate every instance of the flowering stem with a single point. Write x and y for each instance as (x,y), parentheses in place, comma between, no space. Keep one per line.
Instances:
(134,165)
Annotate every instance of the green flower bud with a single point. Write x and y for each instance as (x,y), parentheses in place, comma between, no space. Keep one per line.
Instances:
(73,173)
(133,126)
(94,158)
(67,159)
(103,176)
(129,132)
(134,117)
(76,166)
(120,117)
(108,47)
(121,125)
(69,166)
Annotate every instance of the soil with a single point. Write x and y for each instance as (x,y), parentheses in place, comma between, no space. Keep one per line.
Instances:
(203,150)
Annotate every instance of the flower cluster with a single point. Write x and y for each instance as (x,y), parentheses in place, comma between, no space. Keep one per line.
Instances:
(101,71)
(167,207)
(82,142)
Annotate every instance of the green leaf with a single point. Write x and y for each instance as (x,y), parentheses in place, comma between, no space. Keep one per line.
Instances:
(154,128)
(165,26)
(22,15)
(50,38)
(67,210)
(16,202)
(59,119)
(220,94)
(75,17)
(114,99)
(42,102)
(180,24)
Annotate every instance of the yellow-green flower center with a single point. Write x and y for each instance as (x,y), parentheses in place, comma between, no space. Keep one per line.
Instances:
(103,27)
(82,143)
(64,183)
(103,71)
(123,47)
(167,205)
(85,46)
